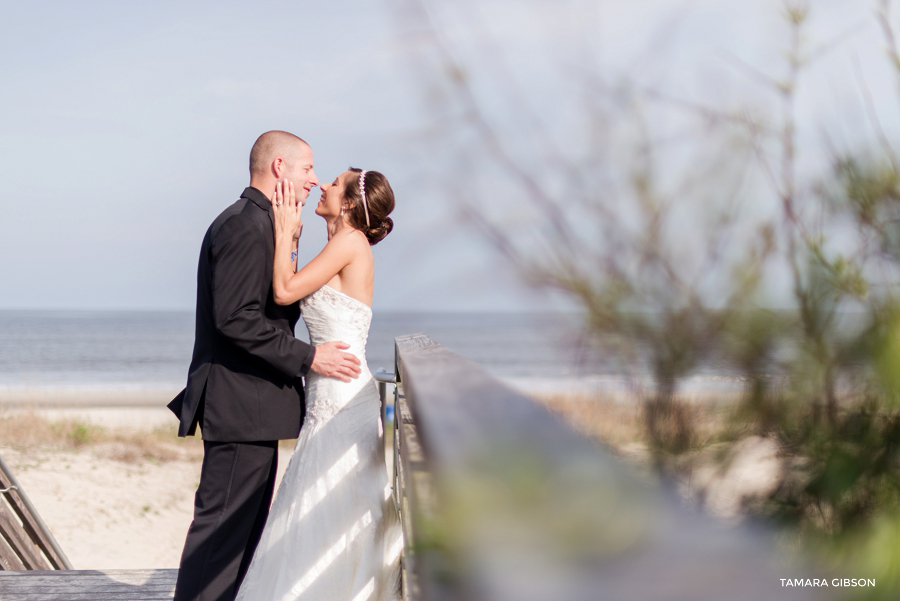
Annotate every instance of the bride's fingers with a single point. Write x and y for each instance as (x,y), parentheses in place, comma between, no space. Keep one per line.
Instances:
(283,219)
(279,193)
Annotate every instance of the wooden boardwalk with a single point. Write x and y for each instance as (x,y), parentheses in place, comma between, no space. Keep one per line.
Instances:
(88,585)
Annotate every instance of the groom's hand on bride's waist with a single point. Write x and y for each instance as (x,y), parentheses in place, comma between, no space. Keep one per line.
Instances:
(332,362)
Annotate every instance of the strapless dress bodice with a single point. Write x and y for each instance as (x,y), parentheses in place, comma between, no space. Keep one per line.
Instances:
(333,316)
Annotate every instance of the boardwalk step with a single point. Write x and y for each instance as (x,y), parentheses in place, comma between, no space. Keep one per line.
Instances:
(78,585)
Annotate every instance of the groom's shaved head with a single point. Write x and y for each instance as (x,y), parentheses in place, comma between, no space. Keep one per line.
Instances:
(271,145)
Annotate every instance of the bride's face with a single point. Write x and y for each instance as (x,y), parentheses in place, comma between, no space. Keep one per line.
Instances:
(332,198)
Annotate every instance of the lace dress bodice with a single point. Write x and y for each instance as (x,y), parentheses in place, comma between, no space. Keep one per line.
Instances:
(333,316)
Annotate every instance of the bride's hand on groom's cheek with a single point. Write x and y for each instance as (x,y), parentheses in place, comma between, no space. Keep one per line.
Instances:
(288,211)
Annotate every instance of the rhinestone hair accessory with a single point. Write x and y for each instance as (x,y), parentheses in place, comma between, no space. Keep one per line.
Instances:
(362,192)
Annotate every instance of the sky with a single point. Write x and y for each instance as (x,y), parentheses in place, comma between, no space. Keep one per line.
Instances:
(125,127)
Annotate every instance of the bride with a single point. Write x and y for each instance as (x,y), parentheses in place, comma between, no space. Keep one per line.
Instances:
(333,532)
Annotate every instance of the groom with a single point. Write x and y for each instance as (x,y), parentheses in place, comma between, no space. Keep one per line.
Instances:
(244,385)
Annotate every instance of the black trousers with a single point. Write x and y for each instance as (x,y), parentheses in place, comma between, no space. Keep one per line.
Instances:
(230,510)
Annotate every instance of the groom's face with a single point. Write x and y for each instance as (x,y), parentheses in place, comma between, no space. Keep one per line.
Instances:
(302,174)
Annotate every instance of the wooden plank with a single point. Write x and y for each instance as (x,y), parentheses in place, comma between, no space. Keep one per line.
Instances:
(85,585)
(21,543)
(74,587)
(9,559)
(16,499)
(88,577)
(530,510)
(135,594)
(77,583)
(418,506)
(412,343)
(400,494)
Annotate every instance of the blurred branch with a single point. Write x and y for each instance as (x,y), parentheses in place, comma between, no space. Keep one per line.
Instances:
(666,245)
(460,83)
(872,113)
(710,114)
(884,19)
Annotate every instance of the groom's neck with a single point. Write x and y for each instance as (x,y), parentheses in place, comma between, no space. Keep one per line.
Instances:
(264,186)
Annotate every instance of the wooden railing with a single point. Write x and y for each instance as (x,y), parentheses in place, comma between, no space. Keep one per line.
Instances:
(25,541)
(499,499)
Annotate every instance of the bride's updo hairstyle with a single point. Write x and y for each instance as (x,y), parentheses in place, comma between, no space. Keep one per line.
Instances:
(379,200)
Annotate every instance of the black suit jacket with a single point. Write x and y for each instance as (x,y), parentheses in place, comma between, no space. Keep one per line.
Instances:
(244,380)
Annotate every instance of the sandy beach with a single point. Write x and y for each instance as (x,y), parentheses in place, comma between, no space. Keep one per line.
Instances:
(115,485)
(120,498)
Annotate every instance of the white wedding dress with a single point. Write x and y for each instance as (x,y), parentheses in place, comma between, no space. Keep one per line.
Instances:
(333,533)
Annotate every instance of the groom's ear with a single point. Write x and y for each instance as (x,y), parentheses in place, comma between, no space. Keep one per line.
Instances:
(278,167)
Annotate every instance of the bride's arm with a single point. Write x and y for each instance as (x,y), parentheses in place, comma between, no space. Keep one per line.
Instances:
(290,287)
(287,286)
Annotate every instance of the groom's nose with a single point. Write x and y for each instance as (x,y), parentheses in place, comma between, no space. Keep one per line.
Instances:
(313,180)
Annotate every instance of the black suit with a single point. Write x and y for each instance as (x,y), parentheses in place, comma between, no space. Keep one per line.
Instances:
(245,392)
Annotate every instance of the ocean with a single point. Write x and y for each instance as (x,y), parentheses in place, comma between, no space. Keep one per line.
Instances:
(147,351)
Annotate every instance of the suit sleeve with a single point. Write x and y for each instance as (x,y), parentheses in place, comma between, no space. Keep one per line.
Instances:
(238,280)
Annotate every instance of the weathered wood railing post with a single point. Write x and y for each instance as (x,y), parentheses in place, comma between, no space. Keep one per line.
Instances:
(499,500)
(25,541)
